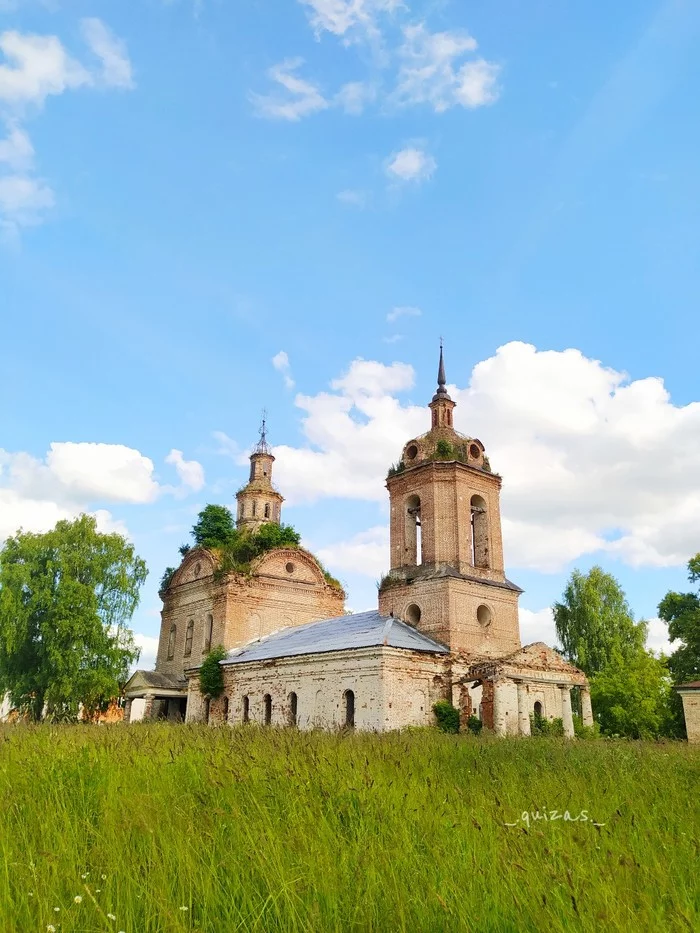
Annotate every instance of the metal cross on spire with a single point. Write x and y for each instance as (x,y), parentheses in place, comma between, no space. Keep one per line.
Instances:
(441,374)
(262,447)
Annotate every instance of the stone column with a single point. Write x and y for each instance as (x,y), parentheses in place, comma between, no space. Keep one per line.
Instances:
(566,715)
(127,710)
(586,709)
(499,712)
(523,710)
(148,706)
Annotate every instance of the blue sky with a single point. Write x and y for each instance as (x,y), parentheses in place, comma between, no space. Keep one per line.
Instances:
(191,191)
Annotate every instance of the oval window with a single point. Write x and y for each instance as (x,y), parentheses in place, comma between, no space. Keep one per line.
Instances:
(289,567)
(413,614)
(484,616)
(474,451)
(412,452)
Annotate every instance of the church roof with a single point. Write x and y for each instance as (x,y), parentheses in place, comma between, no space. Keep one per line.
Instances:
(360,630)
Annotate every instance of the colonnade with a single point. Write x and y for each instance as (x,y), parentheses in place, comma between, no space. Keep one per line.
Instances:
(525,709)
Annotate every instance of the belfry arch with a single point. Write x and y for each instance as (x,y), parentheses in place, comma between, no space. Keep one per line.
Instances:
(479,532)
(413,540)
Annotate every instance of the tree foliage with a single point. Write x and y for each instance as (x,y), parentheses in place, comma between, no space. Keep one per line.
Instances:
(211,675)
(681,612)
(65,599)
(446,716)
(214,527)
(631,696)
(593,621)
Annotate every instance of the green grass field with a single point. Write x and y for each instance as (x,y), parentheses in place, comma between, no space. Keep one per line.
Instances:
(168,828)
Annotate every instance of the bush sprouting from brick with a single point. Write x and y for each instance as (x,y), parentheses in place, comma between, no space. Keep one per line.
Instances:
(446,716)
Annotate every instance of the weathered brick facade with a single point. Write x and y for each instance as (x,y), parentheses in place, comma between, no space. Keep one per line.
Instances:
(446,581)
(690,694)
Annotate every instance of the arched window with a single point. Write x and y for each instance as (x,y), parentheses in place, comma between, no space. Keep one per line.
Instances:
(292,708)
(413,546)
(246,709)
(480,532)
(253,508)
(189,635)
(267,510)
(538,709)
(435,417)
(225,710)
(448,415)
(171,642)
(267,709)
(349,698)
(207,709)
(208,632)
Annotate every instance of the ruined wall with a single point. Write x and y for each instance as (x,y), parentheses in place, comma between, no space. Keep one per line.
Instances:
(286,588)
(691,709)
(391,688)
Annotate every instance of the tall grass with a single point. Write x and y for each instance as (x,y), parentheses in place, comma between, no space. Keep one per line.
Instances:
(184,828)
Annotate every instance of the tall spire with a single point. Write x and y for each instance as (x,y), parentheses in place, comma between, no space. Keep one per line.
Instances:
(262,447)
(441,374)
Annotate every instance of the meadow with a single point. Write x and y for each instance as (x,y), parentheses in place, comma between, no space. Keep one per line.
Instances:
(181,828)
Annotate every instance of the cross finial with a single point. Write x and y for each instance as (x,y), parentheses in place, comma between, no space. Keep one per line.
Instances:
(441,374)
(262,446)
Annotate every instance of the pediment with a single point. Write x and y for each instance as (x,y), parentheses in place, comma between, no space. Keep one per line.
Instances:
(293,565)
(197,564)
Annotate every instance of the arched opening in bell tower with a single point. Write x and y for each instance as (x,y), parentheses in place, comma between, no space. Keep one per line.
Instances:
(480,532)
(413,544)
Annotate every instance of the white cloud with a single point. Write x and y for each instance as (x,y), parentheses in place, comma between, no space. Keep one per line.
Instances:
(103,471)
(657,637)
(149,650)
(430,72)
(394,338)
(403,311)
(411,164)
(350,19)
(23,199)
(354,96)
(191,472)
(353,197)
(302,98)
(592,462)
(537,626)
(116,67)
(36,67)
(16,150)
(281,363)
(365,553)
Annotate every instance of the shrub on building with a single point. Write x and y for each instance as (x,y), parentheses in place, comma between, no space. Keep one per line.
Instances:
(446,716)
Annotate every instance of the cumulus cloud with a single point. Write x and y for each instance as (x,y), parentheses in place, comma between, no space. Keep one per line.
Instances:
(592,461)
(299,98)
(148,646)
(79,477)
(36,67)
(364,553)
(353,197)
(191,472)
(430,72)
(116,66)
(281,363)
(354,96)
(16,150)
(403,311)
(349,19)
(412,164)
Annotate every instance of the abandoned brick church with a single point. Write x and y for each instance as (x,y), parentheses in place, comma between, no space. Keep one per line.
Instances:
(446,626)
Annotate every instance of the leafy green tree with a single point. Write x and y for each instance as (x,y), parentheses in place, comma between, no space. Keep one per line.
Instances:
(65,599)
(593,620)
(214,526)
(631,696)
(211,676)
(681,612)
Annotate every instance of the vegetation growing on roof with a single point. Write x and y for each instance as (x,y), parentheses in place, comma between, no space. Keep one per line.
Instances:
(395,469)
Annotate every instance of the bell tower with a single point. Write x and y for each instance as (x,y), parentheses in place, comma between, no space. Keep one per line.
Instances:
(446,572)
(258,501)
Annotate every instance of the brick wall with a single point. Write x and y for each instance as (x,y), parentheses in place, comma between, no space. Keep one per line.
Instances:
(691,708)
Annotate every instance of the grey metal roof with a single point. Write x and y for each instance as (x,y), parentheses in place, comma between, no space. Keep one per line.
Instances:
(361,630)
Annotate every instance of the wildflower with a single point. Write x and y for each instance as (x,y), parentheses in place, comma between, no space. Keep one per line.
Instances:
(56,909)
(77,899)
(104,877)
(50,928)
(85,875)
(184,908)
(31,894)
(97,890)
(111,917)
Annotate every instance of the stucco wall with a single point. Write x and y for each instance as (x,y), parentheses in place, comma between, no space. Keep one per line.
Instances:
(691,708)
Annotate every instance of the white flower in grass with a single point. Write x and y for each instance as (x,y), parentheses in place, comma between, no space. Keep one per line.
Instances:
(57,909)
(85,875)
(50,928)
(77,899)
(97,890)
(104,877)
(111,917)
(184,908)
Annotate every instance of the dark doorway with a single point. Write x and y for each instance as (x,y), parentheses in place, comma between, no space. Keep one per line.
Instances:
(349,709)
